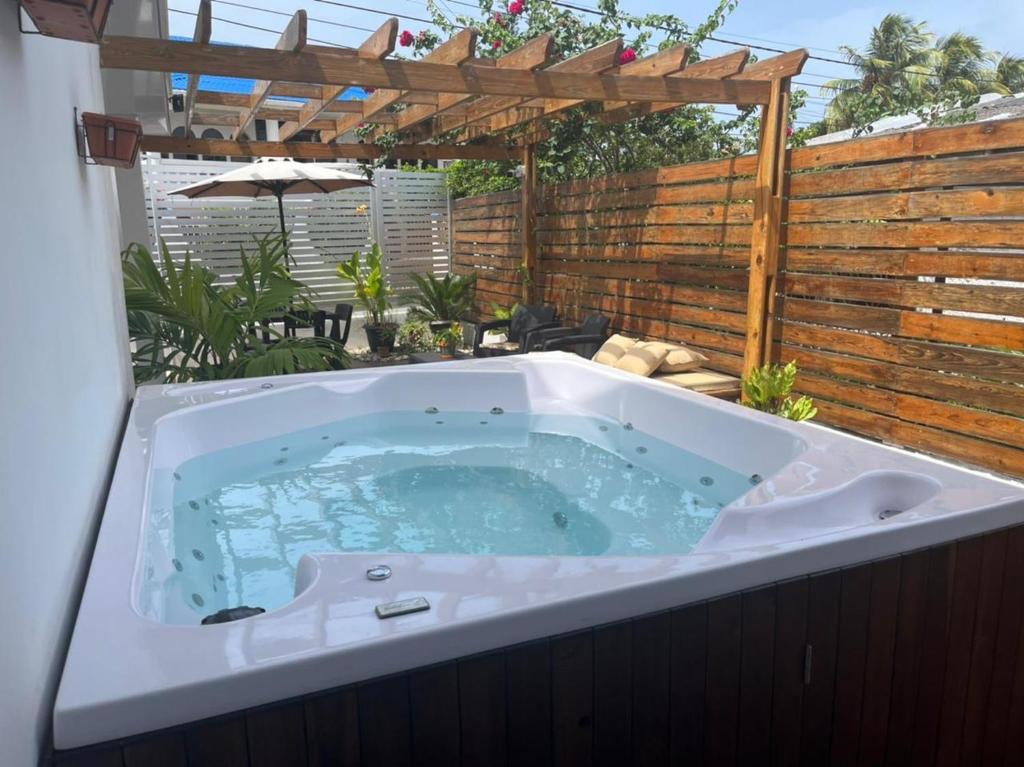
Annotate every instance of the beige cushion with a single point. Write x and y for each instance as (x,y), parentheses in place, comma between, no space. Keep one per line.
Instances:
(613,349)
(642,359)
(701,380)
(505,346)
(679,359)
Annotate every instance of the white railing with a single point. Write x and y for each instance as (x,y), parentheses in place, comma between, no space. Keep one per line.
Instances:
(408,216)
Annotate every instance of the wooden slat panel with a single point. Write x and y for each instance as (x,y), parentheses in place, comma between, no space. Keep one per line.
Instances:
(277,736)
(332,729)
(613,694)
(161,751)
(689,684)
(572,686)
(434,710)
(218,742)
(482,709)
(385,735)
(529,705)
(851,654)
(723,680)
(652,691)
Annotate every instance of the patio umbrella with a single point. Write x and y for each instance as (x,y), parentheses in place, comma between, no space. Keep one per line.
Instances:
(275,176)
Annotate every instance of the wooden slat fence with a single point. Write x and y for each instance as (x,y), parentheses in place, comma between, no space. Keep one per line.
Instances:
(408,215)
(901,286)
(902,297)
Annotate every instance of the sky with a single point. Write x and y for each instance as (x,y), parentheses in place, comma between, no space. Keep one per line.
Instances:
(818,25)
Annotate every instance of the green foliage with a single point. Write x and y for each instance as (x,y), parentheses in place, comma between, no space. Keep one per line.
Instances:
(448,298)
(501,313)
(371,287)
(183,327)
(768,388)
(467,178)
(415,336)
(581,145)
(905,69)
(450,337)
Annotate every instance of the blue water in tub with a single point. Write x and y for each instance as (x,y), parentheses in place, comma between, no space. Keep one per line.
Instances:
(238,520)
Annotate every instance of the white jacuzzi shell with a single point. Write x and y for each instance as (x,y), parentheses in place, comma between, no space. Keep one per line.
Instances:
(817,509)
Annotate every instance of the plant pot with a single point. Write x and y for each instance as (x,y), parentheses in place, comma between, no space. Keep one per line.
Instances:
(438,325)
(381,338)
(81,20)
(112,140)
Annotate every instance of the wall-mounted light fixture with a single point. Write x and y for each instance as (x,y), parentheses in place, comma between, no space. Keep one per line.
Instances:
(81,20)
(106,140)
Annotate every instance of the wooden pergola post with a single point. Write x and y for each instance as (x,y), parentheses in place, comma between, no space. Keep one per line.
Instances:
(767,226)
(528,223)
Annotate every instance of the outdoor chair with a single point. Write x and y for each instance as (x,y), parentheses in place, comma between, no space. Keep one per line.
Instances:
(525,319)
(342,314)
(593,330)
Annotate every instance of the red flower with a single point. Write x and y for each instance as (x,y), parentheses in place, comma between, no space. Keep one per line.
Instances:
(627,56)
(496,44)
(516,7)
(361,126)
(406,39)
(789,130)
(499,19)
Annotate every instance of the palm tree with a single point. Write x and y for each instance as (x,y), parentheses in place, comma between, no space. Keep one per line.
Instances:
(962,67)
(893,70)
(1009,72)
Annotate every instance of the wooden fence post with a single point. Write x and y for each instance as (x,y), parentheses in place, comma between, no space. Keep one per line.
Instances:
(528,222)
(767,226)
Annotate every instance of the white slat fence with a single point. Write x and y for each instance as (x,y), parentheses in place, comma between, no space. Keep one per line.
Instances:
(408,216)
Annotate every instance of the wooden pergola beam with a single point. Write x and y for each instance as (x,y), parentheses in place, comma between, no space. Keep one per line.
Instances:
(766,235)
(718,68)
(531,55)
(660,64)
(334,69)
(227,119)
(452,52)
(304,150)
(378,45)
(201,35)
(591,61)
(292,39)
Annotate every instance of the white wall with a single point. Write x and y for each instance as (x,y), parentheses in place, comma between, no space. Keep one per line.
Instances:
(64,374)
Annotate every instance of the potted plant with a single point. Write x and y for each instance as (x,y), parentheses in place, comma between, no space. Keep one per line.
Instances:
(448,340)
(442,301)
(184,326)
(373,294)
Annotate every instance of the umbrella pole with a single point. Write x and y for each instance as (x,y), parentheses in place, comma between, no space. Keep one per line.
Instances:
(279,193)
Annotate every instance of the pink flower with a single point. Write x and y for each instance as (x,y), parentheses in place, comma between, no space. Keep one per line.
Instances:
(406,39)
(516,7)
(422,35)
(627,56)
(789,130)
(499,19)
(496,44)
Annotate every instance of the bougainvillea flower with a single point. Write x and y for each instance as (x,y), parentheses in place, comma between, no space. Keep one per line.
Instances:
(627,56)
(516,7)
(406,39)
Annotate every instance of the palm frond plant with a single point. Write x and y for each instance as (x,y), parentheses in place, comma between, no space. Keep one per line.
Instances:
(374,295)
(185,327)
(448,299)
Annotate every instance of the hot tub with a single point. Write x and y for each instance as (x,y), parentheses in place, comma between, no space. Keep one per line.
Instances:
(386,519)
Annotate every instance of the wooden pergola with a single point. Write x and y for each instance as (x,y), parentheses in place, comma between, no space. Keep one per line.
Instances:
(485,108)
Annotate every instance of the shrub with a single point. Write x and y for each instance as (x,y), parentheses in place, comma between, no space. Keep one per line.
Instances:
(415,336)
(768,389)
